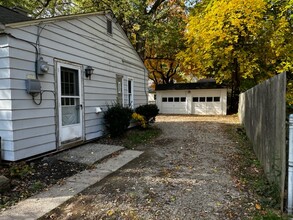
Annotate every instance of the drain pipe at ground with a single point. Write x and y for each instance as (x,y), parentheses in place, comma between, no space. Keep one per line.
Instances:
(290,167)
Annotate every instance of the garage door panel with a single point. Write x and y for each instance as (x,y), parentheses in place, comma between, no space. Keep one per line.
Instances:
(199,108)
(213,109)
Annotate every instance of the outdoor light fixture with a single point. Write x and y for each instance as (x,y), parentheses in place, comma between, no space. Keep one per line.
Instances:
(89,71)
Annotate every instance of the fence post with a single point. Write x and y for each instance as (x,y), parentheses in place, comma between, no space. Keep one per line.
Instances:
(290,167)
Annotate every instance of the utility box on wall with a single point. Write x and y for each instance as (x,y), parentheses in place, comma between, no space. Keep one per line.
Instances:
(42,67)
(33,86)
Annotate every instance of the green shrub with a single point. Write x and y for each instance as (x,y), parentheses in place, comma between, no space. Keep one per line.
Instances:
(148,111)
(117,119)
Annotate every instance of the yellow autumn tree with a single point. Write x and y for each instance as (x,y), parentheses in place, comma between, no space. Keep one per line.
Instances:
(237,42)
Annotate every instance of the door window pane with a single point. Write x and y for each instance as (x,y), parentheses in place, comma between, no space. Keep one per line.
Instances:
(195,99)
(164,99)
(69,82)
(216,99)
(176,99)
(209,99)
(202,99)
(183,99)
(170,99)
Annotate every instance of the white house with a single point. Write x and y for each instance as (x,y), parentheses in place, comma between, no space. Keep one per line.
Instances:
(204,97)
(49,99)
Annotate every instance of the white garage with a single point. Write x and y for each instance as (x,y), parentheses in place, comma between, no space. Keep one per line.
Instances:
(200,98)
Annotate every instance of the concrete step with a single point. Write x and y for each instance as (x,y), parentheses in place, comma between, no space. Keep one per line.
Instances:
(88,153)
(42,203)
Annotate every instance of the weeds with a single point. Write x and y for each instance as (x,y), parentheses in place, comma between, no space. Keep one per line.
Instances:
(250,174)
(20,170)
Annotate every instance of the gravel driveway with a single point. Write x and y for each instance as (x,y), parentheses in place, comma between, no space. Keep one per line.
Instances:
(183,174)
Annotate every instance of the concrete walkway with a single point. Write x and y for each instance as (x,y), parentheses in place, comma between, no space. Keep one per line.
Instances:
(42,203)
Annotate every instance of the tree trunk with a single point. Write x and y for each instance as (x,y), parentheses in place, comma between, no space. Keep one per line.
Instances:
(235,87)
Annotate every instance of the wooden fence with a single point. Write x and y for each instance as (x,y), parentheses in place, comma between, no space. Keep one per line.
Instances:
(262,111)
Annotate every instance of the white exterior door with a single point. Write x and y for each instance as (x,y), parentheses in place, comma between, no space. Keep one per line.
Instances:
(69,103)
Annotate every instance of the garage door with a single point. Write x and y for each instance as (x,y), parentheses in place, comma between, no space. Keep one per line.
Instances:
(206,105)
(174,105)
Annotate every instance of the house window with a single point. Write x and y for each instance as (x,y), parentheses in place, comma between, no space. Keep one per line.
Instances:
(183,99)
(130,93)
(109,27)
(164,99)
(216,99)
(209,99)
(170,99)
(176,99)
(195,99)
(202,99)
(119,97)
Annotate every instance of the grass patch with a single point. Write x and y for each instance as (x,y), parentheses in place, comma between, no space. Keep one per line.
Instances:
(138,136)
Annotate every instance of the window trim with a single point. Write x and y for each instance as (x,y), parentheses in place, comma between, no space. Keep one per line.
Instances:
(130,95)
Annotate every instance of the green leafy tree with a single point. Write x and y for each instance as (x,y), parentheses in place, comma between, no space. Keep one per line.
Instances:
(162,45)
(41,8)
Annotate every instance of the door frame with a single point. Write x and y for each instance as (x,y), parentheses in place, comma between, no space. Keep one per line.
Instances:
(79,68)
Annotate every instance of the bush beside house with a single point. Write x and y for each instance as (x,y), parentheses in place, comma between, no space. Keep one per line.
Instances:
(118,118)
(148,111)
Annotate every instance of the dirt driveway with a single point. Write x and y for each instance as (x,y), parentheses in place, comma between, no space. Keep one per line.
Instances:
(183,174)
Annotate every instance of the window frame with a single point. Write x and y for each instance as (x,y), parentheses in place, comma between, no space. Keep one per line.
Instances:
(130,94)
(109,27)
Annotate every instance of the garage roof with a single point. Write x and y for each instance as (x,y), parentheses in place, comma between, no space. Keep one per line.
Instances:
(202,84)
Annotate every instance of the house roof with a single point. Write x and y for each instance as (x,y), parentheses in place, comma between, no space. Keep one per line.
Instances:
(8,16)
(52,19)
(30,21)
(188,86)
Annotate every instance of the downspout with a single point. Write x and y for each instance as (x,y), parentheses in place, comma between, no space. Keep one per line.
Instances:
(290,167)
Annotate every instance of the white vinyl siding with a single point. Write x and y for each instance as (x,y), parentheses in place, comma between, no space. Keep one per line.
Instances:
(82,40)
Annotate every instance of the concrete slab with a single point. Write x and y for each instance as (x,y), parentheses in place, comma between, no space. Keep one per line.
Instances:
(89,153)
(42,203)
(120,160)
